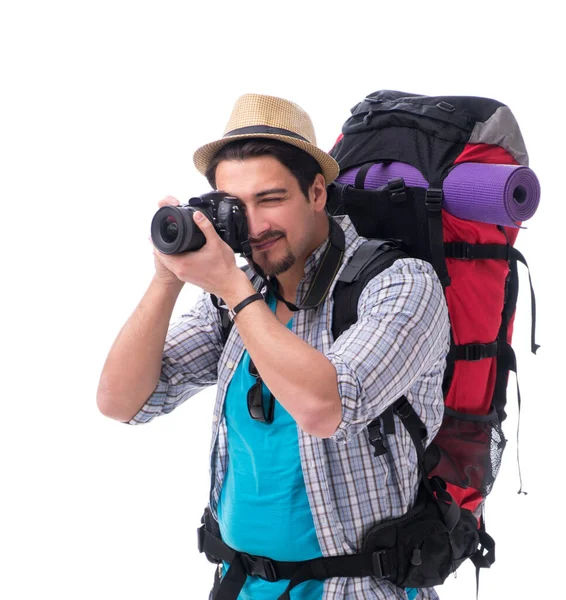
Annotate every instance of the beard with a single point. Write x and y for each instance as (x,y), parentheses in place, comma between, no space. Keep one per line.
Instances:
(272,268)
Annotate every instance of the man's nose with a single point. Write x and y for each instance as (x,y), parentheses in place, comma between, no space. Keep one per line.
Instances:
(257,225)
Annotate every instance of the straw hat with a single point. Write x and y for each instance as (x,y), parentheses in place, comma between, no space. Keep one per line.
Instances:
(258,116)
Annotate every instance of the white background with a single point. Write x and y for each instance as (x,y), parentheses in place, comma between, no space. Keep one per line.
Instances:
(101,107)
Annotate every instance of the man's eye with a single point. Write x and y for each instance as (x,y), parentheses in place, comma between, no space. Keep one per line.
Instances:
(270,200)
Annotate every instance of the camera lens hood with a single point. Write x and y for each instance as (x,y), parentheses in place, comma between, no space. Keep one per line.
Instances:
(173,230)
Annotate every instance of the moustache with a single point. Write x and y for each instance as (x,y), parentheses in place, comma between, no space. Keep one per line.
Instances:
(268,236)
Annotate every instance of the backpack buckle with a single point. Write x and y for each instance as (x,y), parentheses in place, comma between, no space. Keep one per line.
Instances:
(476,352)
(259,566)
(377,561)
(200,539)
(403,408)
(376,437)
(462,251)
(433,199)
(201,543)
(397,190)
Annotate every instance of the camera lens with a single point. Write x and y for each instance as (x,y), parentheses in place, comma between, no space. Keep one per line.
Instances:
(173,230)
(169,230)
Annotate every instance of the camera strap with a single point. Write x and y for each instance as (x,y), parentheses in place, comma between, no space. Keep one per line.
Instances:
(324,276)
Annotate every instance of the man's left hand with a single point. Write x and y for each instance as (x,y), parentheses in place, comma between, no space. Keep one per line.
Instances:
(212,268)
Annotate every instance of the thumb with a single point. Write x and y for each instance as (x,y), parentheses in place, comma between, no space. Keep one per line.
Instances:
(204,225)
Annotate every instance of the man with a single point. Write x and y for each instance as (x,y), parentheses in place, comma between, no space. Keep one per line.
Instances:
(293,476)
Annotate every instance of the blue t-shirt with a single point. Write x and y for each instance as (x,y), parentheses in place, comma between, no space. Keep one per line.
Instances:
(264,508)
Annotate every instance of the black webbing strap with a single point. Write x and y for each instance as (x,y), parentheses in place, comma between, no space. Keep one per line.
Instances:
(374,564)
(233,581)
(514,256)
(225,321)
(361,175)
(376,437)
(353,565)
(484,556)
(473,352)
(465,251)
(509,361)
(434,198)
(435,487)
(241,565)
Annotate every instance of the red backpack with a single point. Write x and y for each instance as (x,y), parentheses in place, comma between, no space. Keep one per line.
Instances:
(448,177)
(443,180)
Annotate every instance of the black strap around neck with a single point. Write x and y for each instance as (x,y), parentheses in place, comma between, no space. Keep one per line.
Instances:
(324,276)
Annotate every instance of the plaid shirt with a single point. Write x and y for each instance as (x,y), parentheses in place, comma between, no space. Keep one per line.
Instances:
(397,347)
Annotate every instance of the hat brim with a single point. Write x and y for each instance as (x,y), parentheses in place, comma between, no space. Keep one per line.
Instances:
(330,168)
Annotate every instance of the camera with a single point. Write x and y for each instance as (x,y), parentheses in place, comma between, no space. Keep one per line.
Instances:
(174,231)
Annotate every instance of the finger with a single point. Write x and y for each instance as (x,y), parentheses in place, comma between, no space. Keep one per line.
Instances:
(205,226)
(168,201)
(164,259)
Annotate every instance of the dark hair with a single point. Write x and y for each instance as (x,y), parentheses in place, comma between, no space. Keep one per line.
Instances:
(302,165)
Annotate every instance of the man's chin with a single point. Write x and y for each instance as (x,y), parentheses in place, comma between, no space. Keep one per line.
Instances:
(274,268)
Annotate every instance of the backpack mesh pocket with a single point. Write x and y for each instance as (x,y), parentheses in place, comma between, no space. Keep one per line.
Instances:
(468,450)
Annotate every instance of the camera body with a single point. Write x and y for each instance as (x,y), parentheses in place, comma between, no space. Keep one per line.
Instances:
(174,231)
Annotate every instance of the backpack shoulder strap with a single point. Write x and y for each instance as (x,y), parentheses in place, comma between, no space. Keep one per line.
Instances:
(370,259)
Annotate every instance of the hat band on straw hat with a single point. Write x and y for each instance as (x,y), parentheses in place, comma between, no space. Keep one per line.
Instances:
(265,129)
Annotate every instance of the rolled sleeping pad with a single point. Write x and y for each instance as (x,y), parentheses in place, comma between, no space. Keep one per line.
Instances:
(489,193)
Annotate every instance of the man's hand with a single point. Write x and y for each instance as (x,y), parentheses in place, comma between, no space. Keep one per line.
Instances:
(212,268)
(162,273)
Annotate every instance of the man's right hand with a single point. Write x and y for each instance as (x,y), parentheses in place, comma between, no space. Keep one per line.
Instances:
(162,273)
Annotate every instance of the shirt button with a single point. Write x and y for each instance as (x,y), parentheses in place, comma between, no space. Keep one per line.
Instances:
(230,365)
(312,464)
(214,418)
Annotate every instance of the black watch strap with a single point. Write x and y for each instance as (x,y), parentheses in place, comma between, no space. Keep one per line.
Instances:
(234,311)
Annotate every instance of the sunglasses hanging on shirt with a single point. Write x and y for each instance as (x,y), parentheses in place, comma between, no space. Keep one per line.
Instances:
(256,406)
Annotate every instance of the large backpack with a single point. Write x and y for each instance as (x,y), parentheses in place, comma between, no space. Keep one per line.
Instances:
(398,154)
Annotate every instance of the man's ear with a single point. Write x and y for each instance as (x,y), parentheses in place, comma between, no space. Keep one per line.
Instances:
(318,194)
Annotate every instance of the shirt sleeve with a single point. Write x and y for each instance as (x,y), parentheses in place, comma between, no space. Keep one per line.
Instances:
(397,346)
(190,360)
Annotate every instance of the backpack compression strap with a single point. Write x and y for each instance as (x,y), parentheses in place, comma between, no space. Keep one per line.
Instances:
(465,251)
